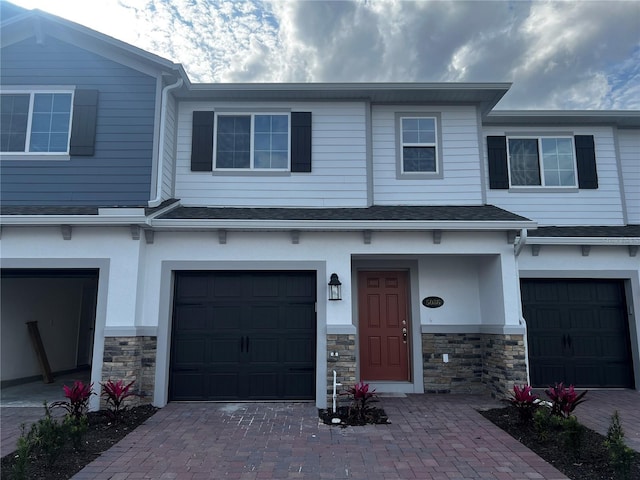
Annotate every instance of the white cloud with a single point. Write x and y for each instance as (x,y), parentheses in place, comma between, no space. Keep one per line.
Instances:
(564,54)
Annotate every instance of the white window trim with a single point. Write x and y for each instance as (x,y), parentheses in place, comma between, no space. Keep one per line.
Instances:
(251,168)
(400,173)
(541,164)
(27,155)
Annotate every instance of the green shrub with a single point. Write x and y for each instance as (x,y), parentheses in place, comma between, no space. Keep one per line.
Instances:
(620,455)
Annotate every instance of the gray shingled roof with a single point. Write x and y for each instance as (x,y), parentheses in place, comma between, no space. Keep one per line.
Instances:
(47,210)
(587,231)
(381,213)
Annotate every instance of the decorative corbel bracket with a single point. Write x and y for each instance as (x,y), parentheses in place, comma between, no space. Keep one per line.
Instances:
(633,250)
(222,237)
(149,236)
(511,236)
(586,249)
(66,231)
(135,232)
(295,237)
(366,237)
(437,236)
(535,250)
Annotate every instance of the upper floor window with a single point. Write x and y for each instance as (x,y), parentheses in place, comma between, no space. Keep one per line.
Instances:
(542,161)
(36,122)
(252,141)
(419,144)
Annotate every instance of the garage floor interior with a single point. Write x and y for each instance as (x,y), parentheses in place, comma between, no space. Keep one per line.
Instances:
(33,394)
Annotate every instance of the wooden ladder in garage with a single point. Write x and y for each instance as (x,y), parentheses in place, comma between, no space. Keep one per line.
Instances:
(36,341)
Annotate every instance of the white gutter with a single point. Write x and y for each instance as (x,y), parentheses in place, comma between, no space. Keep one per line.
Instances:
(163,115)
(44,220)
(609,241)
(342,225)
(521,242)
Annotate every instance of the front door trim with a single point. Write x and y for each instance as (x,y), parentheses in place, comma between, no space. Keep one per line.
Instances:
(410,265)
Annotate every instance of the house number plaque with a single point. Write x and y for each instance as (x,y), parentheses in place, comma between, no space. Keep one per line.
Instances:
(432,302)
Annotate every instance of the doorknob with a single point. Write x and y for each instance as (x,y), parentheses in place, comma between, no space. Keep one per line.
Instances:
(404,335)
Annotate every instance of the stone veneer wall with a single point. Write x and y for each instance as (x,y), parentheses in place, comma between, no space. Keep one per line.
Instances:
(504,363)
(131,358)
(478,363)
(463,372)
(344,363)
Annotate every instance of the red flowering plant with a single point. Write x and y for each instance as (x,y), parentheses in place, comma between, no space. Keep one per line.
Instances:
(77,402)
(362,398)
(525,401)
(564,400)
(116,393)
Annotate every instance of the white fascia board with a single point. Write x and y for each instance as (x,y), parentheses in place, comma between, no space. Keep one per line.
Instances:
(608,241)
(340,225)
(90,220)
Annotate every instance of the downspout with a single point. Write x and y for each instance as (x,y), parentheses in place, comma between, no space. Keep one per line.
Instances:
(163,115)
(522,241)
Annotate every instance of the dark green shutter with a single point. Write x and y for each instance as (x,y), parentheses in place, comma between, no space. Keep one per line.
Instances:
(586,161)
(300,141)
(498,168)
(83,125)
(202,142)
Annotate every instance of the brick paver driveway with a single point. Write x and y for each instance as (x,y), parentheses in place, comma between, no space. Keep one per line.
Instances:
(431,437)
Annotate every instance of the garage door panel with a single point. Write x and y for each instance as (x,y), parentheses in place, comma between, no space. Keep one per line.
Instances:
(264,350)
(299,350)
(192,287)
(263,317)
(298,317)
(581,337)
(190,318)
(226,285)
(265,286)
(189,351)
(224,350)
(225,317)
(297,383)
(223,386)
(188,386)
(263,385)
(300,287)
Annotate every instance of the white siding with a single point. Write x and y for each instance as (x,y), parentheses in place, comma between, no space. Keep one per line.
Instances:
(338,177)
(629,145)
(461,181)
(602,206)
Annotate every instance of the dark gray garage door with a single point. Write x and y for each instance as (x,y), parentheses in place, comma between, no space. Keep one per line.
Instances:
(578,332)
(243,336)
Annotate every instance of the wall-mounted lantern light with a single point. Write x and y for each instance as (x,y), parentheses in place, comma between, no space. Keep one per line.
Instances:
(335,287)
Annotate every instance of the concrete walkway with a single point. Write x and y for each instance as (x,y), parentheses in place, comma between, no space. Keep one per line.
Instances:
(431,437)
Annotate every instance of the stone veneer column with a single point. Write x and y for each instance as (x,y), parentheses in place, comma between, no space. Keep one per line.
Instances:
(504,363)
(344,363)
(131,358)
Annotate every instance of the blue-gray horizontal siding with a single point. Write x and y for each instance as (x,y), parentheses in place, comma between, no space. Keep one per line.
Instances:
(119,174)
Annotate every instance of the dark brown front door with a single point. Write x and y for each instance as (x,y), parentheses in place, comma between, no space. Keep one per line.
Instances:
(383,326)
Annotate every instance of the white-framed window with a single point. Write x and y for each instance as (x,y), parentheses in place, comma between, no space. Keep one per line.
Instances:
(252,141)
(542,161)
(419,144)
(35,122)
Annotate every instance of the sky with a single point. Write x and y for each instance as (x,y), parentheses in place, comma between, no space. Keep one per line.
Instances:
(581,54)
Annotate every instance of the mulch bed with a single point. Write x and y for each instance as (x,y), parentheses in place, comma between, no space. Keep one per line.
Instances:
(590,462)
(101,435)
(348,416)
